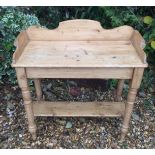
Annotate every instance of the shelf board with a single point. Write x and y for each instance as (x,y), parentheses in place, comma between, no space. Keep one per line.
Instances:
(76,109)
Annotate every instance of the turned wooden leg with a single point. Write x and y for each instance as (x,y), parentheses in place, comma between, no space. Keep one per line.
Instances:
(128,111)
(23,84)
(37,84)
(134,85)
(119,89)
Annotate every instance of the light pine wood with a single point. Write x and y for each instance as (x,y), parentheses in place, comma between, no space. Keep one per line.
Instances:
(23,84)
(139,44)
(79,49)
(119,89)
(79,30)
(89,73)
(37,83)
(119,47)
(79,109)
(137,78)
(134,85)
(20,43)
(79,54)
(79,24)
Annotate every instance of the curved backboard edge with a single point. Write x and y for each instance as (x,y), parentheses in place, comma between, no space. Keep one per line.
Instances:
(133,35)
(20,42)
(80,30)
(139,44)
(80,23)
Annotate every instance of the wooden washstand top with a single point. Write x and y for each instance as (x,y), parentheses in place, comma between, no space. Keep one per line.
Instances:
(79,43)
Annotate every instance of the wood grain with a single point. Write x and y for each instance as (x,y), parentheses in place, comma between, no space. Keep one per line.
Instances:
(139,44)
(79,30)
(76,109)
(119,89)
(134,85)
(20,43)
(79,49)
(88,73)
(23,84)
(79,43)
(79,54)
(37,84)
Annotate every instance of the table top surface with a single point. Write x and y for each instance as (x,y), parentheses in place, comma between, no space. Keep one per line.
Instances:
(79,54)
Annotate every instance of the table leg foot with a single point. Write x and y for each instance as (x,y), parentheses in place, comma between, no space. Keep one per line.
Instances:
(34,136)
(122,137)
(123,133)
(32,130)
